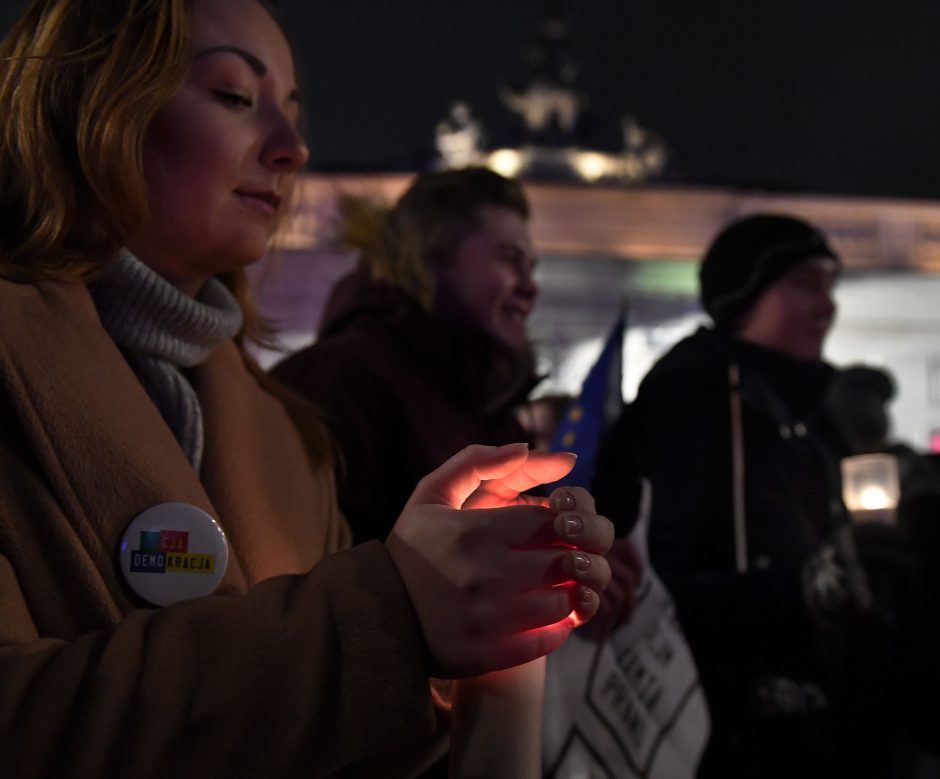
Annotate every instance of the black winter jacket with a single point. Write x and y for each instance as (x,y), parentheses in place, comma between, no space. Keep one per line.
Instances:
(757,647)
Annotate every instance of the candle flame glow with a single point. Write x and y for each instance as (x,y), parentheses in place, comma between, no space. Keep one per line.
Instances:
(574,620)
(569,622)
(873,497)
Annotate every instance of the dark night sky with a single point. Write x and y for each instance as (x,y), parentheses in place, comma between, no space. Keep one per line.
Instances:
(802,95)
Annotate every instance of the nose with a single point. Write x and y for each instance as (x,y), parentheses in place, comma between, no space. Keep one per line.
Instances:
(285,150)
(526,284)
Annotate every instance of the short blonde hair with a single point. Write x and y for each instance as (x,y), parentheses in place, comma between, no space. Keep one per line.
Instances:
(405,244)
(80,83)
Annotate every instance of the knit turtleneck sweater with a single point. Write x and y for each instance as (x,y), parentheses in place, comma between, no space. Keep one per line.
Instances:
(163,331)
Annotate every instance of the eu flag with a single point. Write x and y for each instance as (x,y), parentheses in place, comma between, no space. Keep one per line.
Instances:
(592,413)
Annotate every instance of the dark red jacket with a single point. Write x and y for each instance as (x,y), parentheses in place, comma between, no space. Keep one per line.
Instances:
(401,392)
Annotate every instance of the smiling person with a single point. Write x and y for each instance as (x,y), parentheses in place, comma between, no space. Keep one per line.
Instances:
(747,528)
(423,348)
(176,592)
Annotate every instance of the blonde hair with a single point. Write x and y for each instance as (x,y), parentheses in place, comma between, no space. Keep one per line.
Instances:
(81,81)
(406,243)
(80,84)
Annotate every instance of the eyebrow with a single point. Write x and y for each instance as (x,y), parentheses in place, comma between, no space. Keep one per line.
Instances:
(256,65)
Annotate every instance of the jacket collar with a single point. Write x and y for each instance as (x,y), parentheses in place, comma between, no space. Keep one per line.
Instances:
(470,362)
(800,386)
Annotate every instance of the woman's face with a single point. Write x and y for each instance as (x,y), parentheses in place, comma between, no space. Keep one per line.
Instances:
(490,284)
(224,150)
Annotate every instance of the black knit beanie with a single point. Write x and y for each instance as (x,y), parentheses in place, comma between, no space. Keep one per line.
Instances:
(748,256)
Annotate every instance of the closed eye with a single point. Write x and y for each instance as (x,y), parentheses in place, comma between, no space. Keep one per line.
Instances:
(233,99)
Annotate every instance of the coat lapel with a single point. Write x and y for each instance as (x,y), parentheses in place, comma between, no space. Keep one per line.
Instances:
(104,450)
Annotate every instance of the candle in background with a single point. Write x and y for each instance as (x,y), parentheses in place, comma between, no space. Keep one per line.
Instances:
(870,487)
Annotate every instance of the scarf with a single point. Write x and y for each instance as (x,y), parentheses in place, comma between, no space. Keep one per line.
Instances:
(163,331)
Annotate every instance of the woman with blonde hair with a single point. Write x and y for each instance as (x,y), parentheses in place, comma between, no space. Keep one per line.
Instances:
(176,594)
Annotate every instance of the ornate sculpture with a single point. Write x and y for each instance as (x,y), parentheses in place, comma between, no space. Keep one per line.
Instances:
(550,108)
(459,137)
(549,104)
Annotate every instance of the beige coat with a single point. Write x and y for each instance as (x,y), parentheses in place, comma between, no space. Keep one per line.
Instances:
(295,675)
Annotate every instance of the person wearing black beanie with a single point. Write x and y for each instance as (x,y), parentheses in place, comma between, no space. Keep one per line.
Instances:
(731,430)
(749,255)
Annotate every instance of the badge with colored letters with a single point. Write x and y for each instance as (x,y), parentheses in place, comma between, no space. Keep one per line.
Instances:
(173,552)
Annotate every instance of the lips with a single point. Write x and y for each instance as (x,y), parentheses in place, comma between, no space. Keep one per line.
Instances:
(266,201)
(515,322)
(520,312)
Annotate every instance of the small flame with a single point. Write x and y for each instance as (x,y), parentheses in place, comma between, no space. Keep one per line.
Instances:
(873,498)
(574,620)
(571,621)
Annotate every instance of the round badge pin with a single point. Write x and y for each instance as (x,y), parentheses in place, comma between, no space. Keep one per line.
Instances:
(173,552)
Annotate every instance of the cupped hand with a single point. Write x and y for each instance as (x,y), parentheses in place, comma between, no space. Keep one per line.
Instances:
(497,577)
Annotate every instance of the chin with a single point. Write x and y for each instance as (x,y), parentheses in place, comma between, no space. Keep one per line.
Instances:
(516,343)
(245,254)
(514,336)
(810,354)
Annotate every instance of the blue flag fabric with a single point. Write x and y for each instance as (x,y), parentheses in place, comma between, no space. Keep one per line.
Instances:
(595,409)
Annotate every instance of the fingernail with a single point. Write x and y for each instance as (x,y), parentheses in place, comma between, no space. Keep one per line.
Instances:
(562,501)
(581,563)
(572,524)
(585,596)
